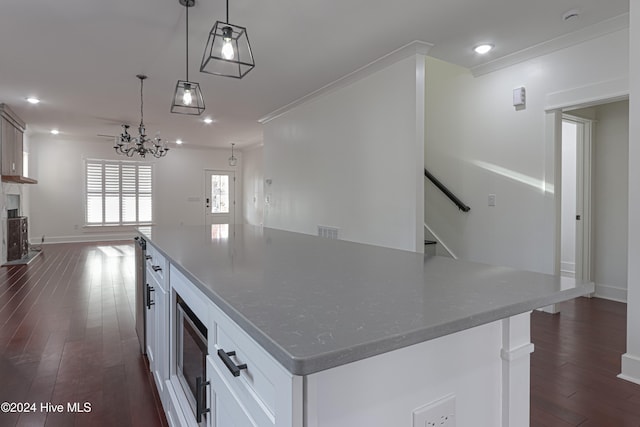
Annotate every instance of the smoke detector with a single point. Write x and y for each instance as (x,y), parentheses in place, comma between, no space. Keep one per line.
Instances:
(570,15)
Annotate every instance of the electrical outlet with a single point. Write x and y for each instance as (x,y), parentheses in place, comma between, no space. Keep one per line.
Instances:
(440,413)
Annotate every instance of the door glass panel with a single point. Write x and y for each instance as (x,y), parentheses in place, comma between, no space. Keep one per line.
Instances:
(220,194)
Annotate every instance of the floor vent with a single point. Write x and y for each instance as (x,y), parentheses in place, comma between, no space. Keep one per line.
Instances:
(327,232)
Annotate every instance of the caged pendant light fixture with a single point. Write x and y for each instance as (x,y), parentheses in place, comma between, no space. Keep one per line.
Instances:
(233,160)
(228,52)
(187,98)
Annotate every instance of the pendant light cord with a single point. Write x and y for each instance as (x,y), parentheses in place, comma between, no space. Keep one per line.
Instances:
(227,11)
(187,37)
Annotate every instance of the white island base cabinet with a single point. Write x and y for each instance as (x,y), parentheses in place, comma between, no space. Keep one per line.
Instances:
(463,379)
(482,375)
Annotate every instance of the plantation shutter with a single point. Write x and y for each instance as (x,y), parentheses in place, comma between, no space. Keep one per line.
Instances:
(118,193)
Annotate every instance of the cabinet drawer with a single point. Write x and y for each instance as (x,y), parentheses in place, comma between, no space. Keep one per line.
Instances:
(264,388)
(157,266)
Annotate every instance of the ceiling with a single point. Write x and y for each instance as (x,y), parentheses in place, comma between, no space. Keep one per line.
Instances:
(80,57)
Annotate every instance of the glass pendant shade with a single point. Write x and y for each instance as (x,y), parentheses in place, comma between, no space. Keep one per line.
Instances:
(228,52)
(187,98)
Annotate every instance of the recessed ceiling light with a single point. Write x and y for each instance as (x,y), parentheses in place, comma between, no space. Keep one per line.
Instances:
(33,100)
(208,120)
(178,141)
(483,48)
(55,131)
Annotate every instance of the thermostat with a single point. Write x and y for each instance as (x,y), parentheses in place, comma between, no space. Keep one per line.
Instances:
(519,97)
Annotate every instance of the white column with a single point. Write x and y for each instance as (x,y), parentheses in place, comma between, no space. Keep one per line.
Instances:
(516,351)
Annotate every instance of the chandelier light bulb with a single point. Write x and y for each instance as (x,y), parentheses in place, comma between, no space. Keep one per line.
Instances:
(227,48)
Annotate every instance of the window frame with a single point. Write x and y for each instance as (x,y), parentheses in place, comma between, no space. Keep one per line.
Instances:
(103,193)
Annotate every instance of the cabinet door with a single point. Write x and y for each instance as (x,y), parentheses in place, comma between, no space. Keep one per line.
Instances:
(8,147)
(161,353)
(17,151)
(224,409)
(151,323)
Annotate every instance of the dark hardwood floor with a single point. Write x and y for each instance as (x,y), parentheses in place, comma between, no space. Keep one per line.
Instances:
(574,367)
(67,335)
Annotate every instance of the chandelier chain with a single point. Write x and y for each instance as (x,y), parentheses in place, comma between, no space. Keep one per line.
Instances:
(141,104)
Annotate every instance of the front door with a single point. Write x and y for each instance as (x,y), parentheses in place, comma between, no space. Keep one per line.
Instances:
(220,198)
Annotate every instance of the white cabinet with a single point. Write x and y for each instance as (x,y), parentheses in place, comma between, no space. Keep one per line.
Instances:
(150,288)
(12,141)
(225,410)
(157,318)
(242,371)
(246,386)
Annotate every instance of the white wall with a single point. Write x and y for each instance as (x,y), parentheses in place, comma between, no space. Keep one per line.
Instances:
(352,159)
(631,360)
(479,144)
(253,178)
(57,201)
(610,200)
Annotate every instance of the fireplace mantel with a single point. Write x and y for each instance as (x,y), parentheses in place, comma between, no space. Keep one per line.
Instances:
(18,179)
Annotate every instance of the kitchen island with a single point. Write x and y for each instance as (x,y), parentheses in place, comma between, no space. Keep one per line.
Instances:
(308,331)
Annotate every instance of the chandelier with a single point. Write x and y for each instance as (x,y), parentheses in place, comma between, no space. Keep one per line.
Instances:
(141,144)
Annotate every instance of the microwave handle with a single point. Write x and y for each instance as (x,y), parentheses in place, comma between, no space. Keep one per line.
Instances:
(200,396)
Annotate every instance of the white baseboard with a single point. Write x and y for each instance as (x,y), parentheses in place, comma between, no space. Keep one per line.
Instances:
(107,237)
(630,368)
(612,293)
(568,268)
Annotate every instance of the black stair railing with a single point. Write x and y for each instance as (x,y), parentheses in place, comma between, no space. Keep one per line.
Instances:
(446,191)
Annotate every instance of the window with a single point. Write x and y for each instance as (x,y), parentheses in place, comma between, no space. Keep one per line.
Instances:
(118,192)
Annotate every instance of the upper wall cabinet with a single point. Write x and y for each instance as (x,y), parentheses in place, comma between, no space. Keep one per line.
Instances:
(12,135)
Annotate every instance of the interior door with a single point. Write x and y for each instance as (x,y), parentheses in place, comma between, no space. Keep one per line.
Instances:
(220,197)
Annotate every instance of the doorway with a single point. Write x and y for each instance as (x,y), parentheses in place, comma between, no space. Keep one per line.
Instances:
(576,213)
(220,197)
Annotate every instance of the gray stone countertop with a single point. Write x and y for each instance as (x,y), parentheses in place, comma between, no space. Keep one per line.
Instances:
(315,303)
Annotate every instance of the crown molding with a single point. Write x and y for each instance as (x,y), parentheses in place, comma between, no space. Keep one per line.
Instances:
(599,29)
(414,48)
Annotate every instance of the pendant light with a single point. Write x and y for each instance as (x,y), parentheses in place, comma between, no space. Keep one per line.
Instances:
(187,98)
(233,160)
(228,52)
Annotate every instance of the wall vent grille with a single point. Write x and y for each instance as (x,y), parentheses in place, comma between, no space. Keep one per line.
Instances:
(327,232)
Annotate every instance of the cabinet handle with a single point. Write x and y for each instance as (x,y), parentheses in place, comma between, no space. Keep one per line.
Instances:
(200,397)
(232,367)
(148,257)
(149,301)
(156,268)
